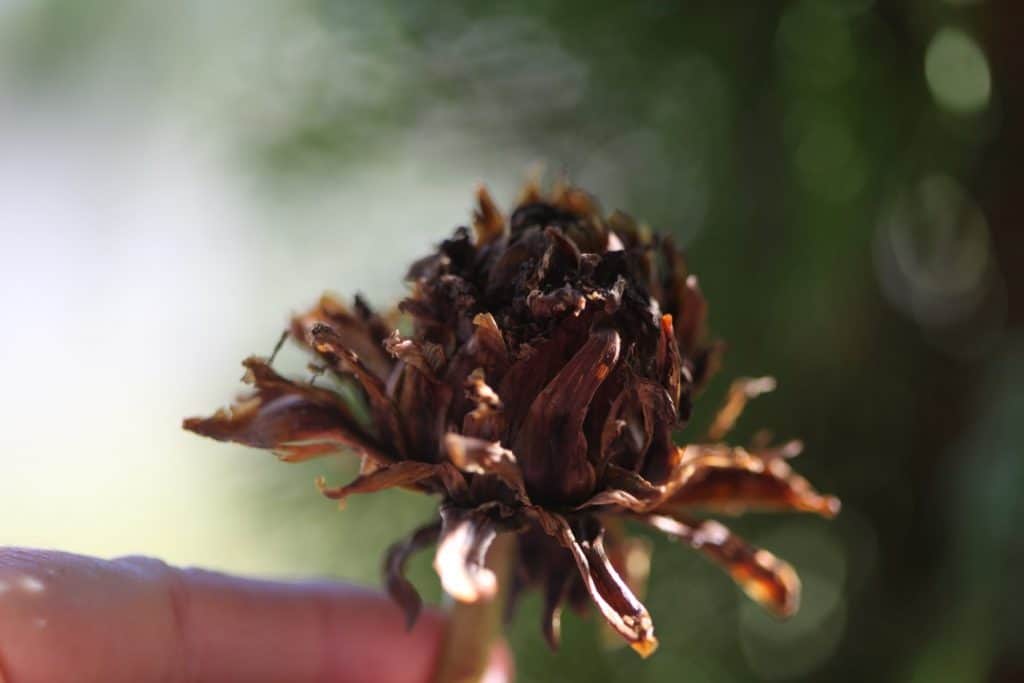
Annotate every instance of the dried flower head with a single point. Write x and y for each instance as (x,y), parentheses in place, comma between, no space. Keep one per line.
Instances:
(552,357)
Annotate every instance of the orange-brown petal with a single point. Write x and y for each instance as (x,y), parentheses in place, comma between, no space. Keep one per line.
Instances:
(740,391)
(616,602)
(295,420)
(488,221)
(733,480)
(331,347)
(361,330)
(769,581)
(478,456)
(407,473)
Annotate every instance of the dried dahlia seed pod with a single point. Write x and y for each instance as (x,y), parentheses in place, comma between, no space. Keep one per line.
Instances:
(553,357)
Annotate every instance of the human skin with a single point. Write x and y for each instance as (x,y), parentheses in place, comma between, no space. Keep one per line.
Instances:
(66,617)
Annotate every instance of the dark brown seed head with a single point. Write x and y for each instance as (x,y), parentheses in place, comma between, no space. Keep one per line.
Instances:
(553,357)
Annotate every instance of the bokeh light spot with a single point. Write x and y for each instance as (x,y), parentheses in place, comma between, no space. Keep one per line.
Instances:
(957,72)
(933,252)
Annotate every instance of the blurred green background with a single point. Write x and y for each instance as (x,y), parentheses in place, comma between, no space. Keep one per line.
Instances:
(175,178)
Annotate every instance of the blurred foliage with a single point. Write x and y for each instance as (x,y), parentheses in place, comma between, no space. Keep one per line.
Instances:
(833,168)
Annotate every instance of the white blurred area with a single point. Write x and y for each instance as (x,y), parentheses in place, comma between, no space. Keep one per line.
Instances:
(139,263)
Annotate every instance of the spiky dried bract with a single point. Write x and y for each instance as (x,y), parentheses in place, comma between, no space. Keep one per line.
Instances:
(553,356)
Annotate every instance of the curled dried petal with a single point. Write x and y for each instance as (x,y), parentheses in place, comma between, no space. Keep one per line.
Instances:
(626,489)
(732,480)
(296,421)
(487,344)
(565,300)
(740,391)
(488,221)
(405,473)
(395,559)
(768,580)
(631,557)
(487,419)
(343,360)
(551,445)
(426,357)
(478,456)
(362,330)
(617,603)
(461,555)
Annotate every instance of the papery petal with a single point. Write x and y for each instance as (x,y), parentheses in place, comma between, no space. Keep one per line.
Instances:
(421,397)
(769,581)
(478,456)
(461,555)
(631,557)
(426,357)
(297,421)
(740,391)
(535,366)
(626,489)
(669,363)
(487,419)
(361,330)
(732,480)
(406,473)
(561,257)
(617,603)
(637,435)
(565,300)
(395,559)
(551,446)
(488,221)
(484,355)
(487,346)
(344,361)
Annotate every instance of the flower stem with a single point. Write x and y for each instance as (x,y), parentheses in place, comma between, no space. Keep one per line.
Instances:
(473,628)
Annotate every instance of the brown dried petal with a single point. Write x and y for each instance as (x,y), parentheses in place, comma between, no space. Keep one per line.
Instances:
(426,357)
(362,332)
(405,473)
(344,361)
(669,362)
(487,419)
(461,555)
(296,421)
(740,391)
(631,557)
(732,480)
(646,412)
(488,222)
(551,445)
(421,397)
(565,300)
(626,489)
(769,581)
(488,345)
(622,610)
(478,456)
(395,559)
